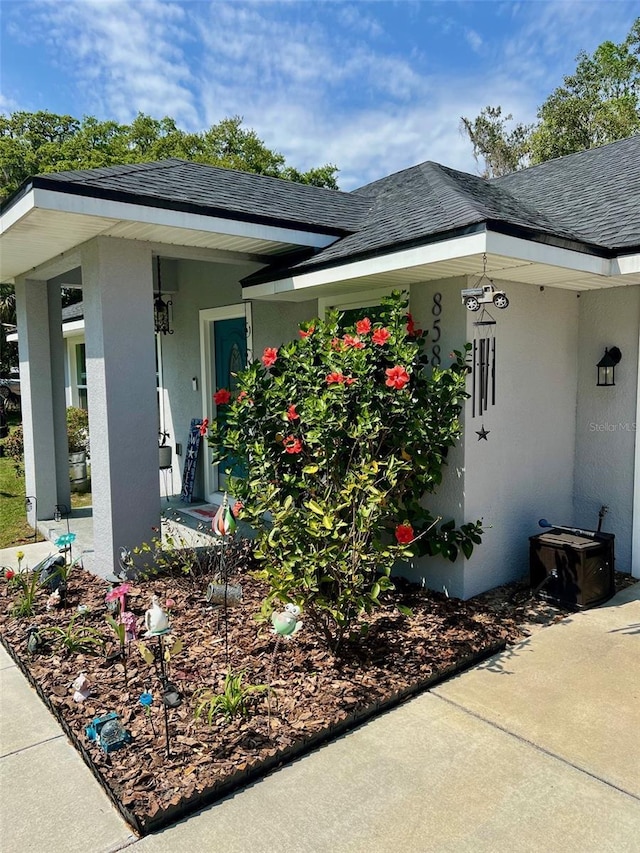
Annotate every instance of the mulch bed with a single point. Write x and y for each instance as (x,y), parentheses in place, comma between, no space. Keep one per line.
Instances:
(315,694)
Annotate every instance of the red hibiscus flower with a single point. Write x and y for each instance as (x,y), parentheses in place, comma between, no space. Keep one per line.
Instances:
(304,333)
(269,356)
(336,343)
(9,574)
(363,327)
(351,341)
(221,397)
(380,336)
(397,377)
(237,508)
(411,328)
(292,444)
(292,415)
(204,426)
(404,533)
(334,377)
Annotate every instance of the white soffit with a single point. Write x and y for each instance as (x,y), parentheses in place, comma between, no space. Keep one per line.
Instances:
(45,224)
(508,258)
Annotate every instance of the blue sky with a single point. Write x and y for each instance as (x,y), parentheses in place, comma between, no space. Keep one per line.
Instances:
(372,87)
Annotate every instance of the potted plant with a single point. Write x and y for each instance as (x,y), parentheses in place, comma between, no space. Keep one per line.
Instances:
(78,441)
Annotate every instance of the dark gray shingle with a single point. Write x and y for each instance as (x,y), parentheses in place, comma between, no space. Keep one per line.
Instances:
(224,191)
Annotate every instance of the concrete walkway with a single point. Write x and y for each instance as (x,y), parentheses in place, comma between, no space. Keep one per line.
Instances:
(536,750)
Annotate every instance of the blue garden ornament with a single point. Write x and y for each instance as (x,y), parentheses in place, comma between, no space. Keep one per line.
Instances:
(108,732)
(65,540)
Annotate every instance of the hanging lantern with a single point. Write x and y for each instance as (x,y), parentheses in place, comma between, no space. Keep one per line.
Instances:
(161,310)
(607,366)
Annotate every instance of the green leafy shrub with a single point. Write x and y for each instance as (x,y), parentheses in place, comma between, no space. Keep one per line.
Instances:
(77,429)
(175,553)
(343,433)
(14,448)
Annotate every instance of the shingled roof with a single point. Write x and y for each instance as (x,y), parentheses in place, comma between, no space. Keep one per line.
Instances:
(197,187)
(589,201)
(595,193)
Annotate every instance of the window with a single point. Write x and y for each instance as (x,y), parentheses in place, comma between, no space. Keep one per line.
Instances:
(81,375)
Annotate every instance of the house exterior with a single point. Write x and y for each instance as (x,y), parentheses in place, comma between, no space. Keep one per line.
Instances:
(245,259)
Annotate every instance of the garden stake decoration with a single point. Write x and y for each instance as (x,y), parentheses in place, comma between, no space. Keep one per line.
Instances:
(157,624)
(286,625)
(146,700)
(223,525)
(64,542)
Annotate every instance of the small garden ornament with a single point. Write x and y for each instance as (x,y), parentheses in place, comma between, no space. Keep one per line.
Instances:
(108,732)
(54,600)
(82,687)
(223,525)
(157,624)
(286,624)
(156,620)
(146,700)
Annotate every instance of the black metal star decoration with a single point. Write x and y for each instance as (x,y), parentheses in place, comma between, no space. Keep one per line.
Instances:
(483,433)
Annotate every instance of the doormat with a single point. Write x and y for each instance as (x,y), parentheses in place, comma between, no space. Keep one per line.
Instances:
(204,512)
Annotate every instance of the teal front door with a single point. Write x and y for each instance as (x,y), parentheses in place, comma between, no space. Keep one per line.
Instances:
(230,337)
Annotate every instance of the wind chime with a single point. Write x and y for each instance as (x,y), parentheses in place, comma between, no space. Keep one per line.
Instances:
(483,364)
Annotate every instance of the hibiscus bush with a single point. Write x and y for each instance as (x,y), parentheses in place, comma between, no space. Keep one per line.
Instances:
(342,433)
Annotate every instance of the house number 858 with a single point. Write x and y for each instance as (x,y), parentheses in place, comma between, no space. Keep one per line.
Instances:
(436,310)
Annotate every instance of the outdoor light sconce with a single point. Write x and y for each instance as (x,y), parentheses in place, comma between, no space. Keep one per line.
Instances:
(607,366)
(62,511)
(30,503)
(161,310)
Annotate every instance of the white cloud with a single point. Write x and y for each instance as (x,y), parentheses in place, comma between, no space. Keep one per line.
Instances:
(124,57)
(320,82)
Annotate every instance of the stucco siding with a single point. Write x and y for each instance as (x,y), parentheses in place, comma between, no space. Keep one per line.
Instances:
(524,470)
(606,416)
(448,500)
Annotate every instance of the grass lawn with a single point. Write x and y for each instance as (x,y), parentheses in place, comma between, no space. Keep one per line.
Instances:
(14,529)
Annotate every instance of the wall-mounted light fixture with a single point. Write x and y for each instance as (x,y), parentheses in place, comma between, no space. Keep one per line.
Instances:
(161,310)
(31,503)
(607,366)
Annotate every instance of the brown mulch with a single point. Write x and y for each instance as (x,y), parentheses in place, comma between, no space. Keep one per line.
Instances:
(311,688)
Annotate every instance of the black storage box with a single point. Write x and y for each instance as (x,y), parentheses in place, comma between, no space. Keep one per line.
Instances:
(577,571)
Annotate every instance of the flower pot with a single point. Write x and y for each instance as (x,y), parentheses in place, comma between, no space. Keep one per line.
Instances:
(78,471)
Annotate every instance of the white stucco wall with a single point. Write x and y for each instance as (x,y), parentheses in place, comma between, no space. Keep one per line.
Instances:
(448,500)
(524,471)
(606,418)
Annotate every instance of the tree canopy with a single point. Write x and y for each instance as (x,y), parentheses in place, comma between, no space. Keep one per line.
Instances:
(32,143)
(598,103)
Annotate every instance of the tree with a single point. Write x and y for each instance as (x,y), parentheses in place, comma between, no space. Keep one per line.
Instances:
(8,350)
(503,150)
(342,433)
(598,103)
(33,143)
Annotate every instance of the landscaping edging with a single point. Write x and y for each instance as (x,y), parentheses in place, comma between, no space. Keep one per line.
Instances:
(258,770)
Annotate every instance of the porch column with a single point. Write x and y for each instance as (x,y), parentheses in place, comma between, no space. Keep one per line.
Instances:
(41,353)
(121,388)
(635,543)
